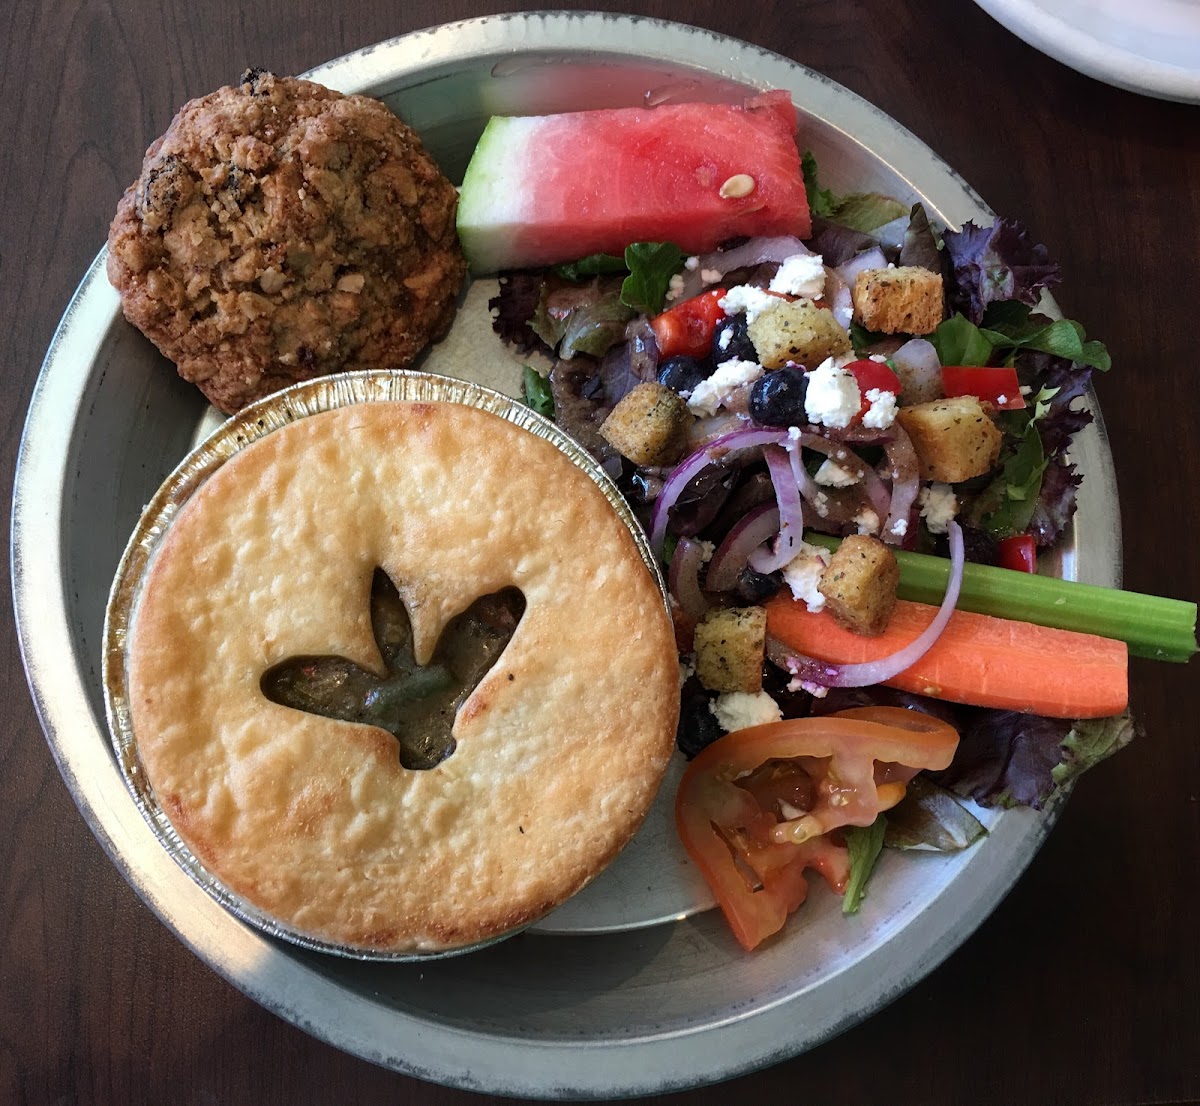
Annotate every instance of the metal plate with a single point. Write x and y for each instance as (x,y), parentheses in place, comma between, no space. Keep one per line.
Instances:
(625,1013)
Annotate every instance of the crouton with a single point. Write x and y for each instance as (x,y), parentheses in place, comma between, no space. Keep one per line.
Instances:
(907,300)
(730,644)
(954,438)
(799,331)
(859,585)
(649,426)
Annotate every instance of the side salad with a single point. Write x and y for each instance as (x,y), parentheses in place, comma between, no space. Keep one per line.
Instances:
(848,451)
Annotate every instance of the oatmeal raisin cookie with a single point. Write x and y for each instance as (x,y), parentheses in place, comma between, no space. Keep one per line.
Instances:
(280,231)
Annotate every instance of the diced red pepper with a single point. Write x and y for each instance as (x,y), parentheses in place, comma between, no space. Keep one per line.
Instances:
(1019,553)
(686,330)
(872,375)
(998,386)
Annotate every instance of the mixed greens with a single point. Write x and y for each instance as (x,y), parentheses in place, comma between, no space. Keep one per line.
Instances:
(746,484)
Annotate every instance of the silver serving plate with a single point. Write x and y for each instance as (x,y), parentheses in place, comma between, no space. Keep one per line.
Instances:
(573,1014)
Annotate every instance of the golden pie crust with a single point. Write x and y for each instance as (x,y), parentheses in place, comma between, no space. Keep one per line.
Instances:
(560,748)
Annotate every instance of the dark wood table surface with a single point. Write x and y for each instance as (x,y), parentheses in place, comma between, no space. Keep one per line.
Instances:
(1082,987)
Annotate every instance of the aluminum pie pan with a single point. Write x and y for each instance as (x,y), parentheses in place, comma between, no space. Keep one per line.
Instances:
(253,424)
(622,1014)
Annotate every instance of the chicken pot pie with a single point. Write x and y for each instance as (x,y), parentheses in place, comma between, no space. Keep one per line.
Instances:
(282,562)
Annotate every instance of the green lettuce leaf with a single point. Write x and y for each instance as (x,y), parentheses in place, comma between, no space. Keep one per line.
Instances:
(866,211)
(863,339)
(651,266)
(1009,326)
(1090,741)
(595,264)
(584,319)
(1013,325)
(864,844)
(1005,507)
(537,393)
(821,202)
(959,341)
(861,211)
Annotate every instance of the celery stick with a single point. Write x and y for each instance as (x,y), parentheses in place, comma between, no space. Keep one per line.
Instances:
(1161,629)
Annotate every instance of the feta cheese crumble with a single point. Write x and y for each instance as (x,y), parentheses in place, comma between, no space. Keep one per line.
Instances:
(675,287)
(803,575)
(745,299)
(692,264)
(802,274)
(832,398)
(710,394)
(882,412)
(738,710)
(711,276)
(832,475)
(938,507)
(867,521)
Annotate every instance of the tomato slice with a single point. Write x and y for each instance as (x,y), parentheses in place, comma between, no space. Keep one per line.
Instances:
(1019,553)
(737,815)
(999,386)
(872,375)
(687,328)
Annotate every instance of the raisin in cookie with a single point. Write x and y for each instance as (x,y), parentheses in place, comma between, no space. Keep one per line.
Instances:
(281,231)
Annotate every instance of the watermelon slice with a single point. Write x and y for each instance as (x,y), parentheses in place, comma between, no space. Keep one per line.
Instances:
(553,188)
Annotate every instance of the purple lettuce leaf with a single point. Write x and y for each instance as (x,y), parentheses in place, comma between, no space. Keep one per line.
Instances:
(1056,502)
(701,500)
(632,362)
(1006,759)
(1000,262)
(515,306)
(575,319)
(579,406)
(838,244)
(1009,759)
(1070,382)
(920,246)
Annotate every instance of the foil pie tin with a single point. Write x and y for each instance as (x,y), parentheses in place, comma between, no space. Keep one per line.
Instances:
(251,425)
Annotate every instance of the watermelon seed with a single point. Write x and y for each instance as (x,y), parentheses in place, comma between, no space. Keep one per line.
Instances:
(739,185)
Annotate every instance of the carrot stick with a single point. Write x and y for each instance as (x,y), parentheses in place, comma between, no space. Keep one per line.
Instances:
(979,659)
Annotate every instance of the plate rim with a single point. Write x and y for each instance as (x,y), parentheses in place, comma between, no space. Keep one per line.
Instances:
(1054,36)
(286,985)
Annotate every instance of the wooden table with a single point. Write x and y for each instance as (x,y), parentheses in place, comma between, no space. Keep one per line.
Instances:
(1083,985)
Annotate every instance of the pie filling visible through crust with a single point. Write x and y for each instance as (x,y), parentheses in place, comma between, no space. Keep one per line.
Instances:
(330,599)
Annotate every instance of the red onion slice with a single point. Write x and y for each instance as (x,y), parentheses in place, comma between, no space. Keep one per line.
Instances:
(906,483)
(919,370)
(755,527)
(880,497)
(684,578)
(692,465)
(837,295)
(757,251)
(891,235)
(868,259)
(791,514)
(702,432)
(805,484)
(828,674)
